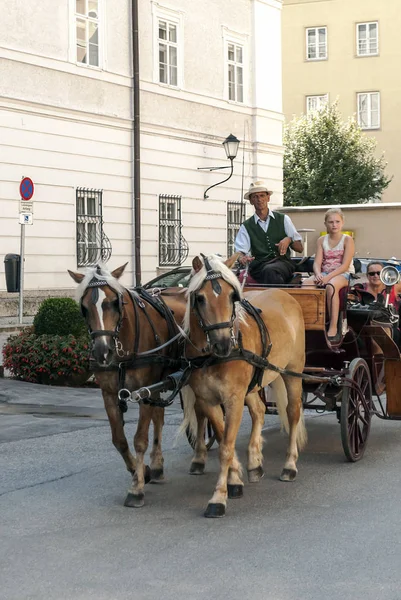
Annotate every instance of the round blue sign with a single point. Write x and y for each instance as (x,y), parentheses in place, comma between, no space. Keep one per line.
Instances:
(26,188)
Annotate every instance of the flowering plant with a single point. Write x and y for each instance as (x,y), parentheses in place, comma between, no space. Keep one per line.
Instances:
(50,359)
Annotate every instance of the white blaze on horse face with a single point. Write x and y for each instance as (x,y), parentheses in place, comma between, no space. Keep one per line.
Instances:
(98,305)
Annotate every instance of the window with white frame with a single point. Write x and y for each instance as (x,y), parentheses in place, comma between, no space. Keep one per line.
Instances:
(235,71)
(87,32)
(367,39)
(314,103)
(168,52)
(369,110)
(316,43)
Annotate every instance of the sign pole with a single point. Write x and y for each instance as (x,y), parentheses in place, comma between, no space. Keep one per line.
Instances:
(21,276)
(26,190)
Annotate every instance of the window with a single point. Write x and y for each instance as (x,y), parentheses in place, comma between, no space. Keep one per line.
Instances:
(87,32)
(235,216)
(314,103)
(235,70)
(316,43)
(369,110)
(173,248)
(367,39)
(93,245)
(168,53)
(168,32)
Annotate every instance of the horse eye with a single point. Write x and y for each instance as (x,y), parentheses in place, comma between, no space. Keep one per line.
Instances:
(200,299)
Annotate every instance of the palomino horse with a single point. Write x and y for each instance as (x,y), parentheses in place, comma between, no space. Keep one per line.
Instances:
(223,331)
(125,327)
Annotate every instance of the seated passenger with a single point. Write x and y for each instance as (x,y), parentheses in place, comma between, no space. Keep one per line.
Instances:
(376,287)
(267,236)
(333,265)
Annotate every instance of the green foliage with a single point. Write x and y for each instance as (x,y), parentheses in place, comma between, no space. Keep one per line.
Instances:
(47,358)
(329,161)
(59,316)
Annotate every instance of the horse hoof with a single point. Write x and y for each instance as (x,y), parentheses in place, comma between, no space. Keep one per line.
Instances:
(134,500)
(197,468)
(255,475)
(288,475)
(234,491)
(147,474)
(215,511)
(156,475)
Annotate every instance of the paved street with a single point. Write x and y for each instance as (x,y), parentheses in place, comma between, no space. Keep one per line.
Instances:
(335,533)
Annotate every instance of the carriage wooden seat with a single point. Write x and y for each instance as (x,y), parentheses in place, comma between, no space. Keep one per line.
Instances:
(312,301)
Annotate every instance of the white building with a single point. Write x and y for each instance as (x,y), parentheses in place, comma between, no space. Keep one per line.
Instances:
(207,69)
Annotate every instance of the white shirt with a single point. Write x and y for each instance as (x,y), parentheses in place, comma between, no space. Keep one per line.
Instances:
(243,243)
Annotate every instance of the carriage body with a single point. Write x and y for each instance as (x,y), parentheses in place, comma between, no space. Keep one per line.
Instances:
(364,362)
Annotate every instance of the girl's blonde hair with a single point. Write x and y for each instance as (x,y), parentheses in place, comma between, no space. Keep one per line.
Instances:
(333,211)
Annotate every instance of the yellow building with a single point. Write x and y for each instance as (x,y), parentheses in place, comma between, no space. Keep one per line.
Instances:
(347,50)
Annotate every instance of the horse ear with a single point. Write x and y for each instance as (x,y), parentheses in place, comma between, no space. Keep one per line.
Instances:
(231,261)
(77,277)
(119,271)
(197,264)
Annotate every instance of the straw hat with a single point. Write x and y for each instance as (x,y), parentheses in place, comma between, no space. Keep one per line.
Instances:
(257,186)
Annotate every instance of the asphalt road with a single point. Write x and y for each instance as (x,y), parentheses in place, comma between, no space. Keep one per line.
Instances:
(334,533)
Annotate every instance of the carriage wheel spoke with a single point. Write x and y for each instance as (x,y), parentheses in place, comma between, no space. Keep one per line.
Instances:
(356,410)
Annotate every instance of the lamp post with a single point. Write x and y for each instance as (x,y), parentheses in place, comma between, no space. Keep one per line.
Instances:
(231,144)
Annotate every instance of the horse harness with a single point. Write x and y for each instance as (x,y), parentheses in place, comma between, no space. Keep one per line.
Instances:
(258,361)
(132,359)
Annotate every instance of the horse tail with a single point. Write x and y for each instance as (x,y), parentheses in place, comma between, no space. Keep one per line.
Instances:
(280,397)
(189,425)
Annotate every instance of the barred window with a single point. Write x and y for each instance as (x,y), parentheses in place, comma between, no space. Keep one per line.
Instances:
(235,216)
(93,245)
(173,248)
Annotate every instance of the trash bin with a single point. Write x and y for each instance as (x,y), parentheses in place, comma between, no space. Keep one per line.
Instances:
(12,270)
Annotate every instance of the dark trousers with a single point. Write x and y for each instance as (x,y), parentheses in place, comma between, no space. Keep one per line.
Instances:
(277,272)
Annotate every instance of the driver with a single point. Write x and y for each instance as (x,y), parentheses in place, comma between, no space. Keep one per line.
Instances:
(268,236)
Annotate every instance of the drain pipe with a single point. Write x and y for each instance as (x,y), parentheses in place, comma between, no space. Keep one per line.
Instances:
(136,147)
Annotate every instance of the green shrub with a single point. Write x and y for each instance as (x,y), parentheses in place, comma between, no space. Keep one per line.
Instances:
(49,359)
(59,316)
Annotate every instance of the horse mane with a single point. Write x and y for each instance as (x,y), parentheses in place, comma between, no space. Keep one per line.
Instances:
(197,280)
(100,273)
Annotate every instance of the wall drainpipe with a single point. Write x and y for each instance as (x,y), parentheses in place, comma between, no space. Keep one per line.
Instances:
(136,147)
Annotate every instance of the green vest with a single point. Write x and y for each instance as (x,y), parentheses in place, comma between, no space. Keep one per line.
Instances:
(263,244)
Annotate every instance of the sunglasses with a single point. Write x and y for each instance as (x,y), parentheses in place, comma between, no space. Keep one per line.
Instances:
(371,273)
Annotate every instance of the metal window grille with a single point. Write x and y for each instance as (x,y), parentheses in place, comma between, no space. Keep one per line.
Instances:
(173,248)
(235,216)
(93,245)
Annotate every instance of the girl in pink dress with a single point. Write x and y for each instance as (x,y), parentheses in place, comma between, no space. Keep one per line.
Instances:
(333,265)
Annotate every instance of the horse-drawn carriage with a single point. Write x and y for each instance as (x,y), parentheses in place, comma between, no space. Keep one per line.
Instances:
(364,362)
(280,339)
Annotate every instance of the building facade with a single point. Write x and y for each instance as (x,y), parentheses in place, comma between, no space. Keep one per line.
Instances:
(66,121)
(347,51)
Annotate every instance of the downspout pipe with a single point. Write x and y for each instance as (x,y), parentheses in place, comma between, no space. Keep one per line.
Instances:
(136,145)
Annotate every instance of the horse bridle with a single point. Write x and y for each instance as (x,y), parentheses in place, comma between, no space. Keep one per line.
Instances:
(95,284)
(213,276)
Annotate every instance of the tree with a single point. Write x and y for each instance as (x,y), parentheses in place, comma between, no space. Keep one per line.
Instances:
(329,161)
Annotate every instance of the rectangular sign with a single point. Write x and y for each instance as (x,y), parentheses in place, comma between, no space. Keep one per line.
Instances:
(26,206)
(25,218)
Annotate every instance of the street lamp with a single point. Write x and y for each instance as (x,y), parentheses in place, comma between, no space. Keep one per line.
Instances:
(230,144)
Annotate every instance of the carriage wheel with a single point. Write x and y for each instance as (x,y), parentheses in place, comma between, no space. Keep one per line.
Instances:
(356,410)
